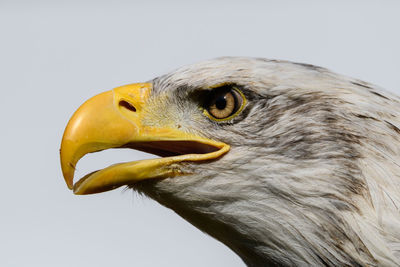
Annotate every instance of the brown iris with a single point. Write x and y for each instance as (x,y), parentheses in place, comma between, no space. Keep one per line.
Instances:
(224,102)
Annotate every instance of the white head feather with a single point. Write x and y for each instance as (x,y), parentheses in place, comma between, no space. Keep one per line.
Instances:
(312,177)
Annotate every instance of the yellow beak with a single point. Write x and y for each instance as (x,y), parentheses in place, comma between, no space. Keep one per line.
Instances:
(114,119)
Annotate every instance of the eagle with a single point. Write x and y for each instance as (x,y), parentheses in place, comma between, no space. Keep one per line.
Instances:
(287,164)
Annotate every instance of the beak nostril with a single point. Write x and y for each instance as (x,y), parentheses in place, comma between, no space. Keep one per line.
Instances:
(127,105)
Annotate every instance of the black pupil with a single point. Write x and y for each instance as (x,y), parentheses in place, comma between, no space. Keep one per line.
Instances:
(220,102)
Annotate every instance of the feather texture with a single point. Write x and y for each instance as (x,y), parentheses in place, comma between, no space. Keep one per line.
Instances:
(312,177)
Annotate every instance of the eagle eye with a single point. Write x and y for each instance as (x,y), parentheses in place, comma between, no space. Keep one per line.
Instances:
(224,103)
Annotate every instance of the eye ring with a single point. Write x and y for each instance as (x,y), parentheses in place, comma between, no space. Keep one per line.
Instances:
(224,103)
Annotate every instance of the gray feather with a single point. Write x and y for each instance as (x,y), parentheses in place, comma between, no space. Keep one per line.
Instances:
(312,177)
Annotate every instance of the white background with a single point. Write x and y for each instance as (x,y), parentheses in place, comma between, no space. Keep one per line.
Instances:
(53,56)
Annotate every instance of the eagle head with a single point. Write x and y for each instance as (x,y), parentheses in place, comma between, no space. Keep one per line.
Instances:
(285,163)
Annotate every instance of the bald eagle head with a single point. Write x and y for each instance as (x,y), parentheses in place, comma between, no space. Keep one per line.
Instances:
(285,163)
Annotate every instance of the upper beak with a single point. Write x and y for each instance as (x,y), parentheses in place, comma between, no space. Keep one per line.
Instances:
(114,119)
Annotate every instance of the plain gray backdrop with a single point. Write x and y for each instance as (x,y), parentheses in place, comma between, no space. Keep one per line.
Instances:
(54,56)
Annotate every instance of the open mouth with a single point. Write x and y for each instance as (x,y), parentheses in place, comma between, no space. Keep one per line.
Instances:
(171,152)
(103,122)
(172,148)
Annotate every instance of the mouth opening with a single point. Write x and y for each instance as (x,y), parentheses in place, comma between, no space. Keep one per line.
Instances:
(178,150)
(172,148)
